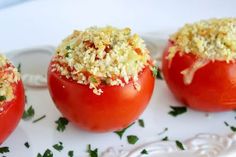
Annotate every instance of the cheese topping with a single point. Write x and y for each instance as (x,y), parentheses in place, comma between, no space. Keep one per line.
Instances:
(98,56)
(189,72)
(213,39)
(8,76)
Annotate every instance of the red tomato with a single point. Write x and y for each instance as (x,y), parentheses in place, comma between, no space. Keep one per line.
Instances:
(213,87)
(114,109)
(12,111)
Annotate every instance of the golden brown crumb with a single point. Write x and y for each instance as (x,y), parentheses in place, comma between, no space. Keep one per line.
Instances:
(8,76)
(213,39)
(99,55)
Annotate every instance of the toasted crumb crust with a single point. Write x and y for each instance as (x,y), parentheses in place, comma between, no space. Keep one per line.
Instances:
(8,76)
(213,39)
(104,55)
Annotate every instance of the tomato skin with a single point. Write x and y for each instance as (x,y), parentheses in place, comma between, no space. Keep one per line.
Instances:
(114,109)
(212,89)
(12,112)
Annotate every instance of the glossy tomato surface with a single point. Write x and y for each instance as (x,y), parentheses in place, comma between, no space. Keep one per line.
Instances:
(12,112)
(114,109)
(213,87)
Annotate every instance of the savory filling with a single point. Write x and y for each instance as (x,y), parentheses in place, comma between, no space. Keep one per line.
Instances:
(8,76)
(213,39)
(209,40)
(104,55)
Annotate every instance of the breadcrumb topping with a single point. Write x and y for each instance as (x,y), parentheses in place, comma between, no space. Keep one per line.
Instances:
(213,39)
(104,55)
(8,76)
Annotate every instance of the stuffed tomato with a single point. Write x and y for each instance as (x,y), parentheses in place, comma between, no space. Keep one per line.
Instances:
(199,65)
(101,78)
(12,98)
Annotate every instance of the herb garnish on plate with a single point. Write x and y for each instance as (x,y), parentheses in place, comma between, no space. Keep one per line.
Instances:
(28,114)
(132,139)
(62,122)
(92,153)
(121,132)
(177,110)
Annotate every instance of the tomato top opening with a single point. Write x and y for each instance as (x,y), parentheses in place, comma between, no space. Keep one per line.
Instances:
(98,56)
(212,39)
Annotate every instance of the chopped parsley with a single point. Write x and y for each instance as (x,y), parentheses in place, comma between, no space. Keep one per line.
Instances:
(71,153)
(58,146)
(132,139)
(29,113)
(141,123)
(177,110)
(62,122)
(47,153)
(144,151)
(67,54)
(4,150)
(2,98)
(27,144)
(156,73)
(19,67)
(92,153)
(38,119)
(233,128)
(68,48)
(165,139)
(120,133)
(179,145)
(226,124)
(92,79)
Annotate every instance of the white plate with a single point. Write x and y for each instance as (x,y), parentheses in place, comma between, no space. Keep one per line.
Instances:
(203,134)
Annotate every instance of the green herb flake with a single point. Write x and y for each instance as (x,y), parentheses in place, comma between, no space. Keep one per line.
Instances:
(47,153)
(179,145)
(2,98)
(120,133)
(4,150)
(19,67)
(226,124)
(144,151)
(39,155)
(67,55)
(132,139)
(156,73)
(71,153)
(68,48)
(165,139)
(141,123)
(176,110)
(92,153)
(58,146)
(62,122)
(27,144)
(93,80)
(233,128)
(28,114)
(38,119)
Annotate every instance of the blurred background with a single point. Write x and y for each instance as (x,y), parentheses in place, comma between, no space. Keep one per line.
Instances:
(27,23)
(8,3)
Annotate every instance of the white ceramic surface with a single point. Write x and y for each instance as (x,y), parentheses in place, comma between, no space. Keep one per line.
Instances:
(203,134)
(43,22)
